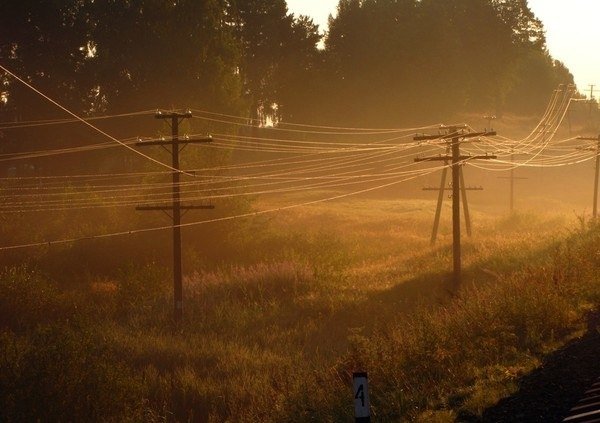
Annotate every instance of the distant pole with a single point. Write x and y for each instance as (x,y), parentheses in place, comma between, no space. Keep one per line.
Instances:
(490,118)
(595,213)
(592,86)
(512,179)
(597,171)
(512,182)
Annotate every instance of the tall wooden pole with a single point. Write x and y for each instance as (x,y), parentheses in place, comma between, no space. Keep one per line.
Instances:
(597,172)
(176,207)
(463,192)
(512,183)
(455,135)
(595,213)
(456,250)
(177,273)
(438,209)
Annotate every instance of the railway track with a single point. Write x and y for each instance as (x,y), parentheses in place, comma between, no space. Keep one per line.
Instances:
(565,388)
(587,410)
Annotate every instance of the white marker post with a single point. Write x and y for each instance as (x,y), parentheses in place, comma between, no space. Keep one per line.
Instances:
(362,409)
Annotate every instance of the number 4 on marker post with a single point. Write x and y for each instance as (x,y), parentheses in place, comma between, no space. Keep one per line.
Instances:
(362,410)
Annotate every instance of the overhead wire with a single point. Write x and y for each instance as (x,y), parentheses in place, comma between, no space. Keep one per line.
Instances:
(333,128)
(246,165)
(95,128)
(316,185)
(364,157)
(49,122)
(286,176)
(207,221)
(336,164)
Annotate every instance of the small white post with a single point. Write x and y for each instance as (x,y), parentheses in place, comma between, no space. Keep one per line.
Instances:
(362,409)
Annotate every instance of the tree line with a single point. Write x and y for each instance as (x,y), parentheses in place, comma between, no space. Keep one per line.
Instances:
(382,62)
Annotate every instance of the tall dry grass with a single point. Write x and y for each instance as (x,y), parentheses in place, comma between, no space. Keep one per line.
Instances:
(276,335)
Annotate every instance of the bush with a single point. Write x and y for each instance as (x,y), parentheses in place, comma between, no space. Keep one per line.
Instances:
(61,374)
(27,299)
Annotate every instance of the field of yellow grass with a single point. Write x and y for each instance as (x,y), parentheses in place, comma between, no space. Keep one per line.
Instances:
(274,328)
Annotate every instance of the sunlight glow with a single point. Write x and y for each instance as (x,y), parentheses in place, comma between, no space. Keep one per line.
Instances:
(571,36)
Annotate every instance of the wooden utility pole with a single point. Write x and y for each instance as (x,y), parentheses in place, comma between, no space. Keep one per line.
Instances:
(456,247)
(591,100)
(597,174)
(175,207)
(490,118)
(463,193)
(512,182)
(438,210)
(454,137)
(512,179)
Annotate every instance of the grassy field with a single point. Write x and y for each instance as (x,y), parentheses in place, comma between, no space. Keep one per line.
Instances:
(274,328)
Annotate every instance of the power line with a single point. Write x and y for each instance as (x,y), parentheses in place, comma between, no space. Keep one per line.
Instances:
(56,205)
(48,122)
(221,219)
(100,131)
(337,128)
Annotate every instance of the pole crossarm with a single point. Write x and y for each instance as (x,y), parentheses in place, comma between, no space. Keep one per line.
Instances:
(449,158)
(512,177)
(454,134)
(450,189)
(161,114)
(184,140)
(170,208)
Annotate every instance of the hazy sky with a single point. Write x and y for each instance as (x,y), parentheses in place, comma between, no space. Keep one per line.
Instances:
(572,28)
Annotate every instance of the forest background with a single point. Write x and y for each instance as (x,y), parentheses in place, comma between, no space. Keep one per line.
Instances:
(383,62)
